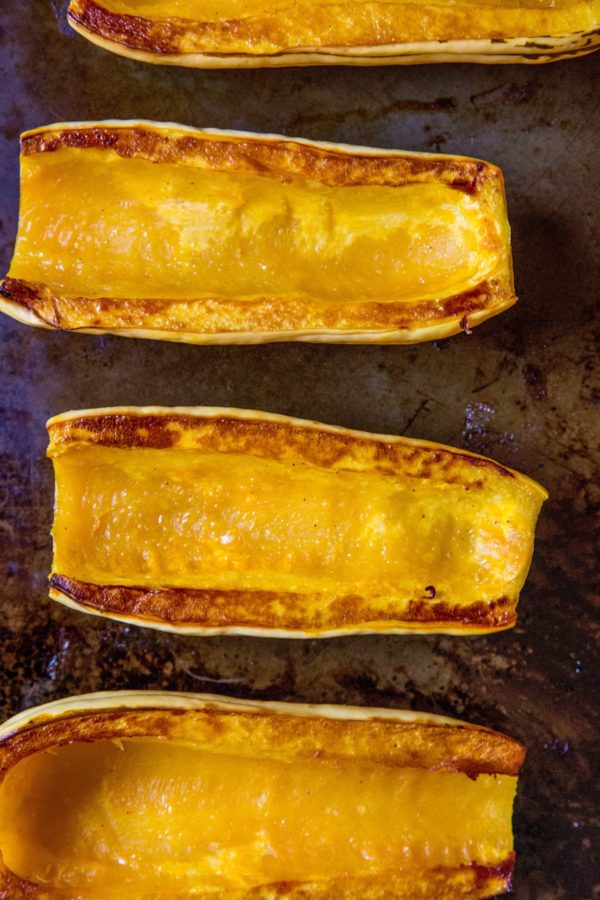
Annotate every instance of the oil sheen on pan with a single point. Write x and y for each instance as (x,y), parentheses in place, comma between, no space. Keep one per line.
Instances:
(210,520)
(148,794)
(161,231)
(239,33)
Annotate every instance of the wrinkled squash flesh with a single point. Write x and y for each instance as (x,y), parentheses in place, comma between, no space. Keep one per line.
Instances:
(155,816)
(364,32)
(170,232)
(162,231)
(215,521)
(139,795)
(239,529)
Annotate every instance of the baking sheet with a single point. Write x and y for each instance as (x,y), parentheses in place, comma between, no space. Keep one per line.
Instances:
(522,388)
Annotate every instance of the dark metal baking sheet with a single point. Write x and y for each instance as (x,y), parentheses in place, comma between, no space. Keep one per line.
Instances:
(521,388)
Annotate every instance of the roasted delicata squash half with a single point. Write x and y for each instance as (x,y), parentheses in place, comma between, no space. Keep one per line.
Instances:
(236,33)
(206,521)
(161,231)
(163,795)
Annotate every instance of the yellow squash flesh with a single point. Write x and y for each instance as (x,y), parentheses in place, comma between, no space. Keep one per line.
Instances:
(174,795)
(216,520)
(165,232)
(233,34)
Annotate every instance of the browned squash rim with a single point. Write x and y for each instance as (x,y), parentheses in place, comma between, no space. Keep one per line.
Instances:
(211,318)
(293,731)
(285,731)
(163,40)
(270,436)
(221,610)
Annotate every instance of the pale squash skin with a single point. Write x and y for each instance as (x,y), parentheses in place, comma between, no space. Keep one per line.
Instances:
(362,745)
(216,237)
(202,34)
(227,521)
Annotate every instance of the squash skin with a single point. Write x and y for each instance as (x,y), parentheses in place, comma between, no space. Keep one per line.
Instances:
(256,319)
(266,609)
(429,34)
(289,732)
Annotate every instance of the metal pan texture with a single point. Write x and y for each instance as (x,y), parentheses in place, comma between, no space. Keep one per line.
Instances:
(521,389)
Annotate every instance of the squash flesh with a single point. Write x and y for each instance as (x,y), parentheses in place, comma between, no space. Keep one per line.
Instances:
(147,814)
(201,9)
(184,31)
(441,20)
(114,227)
(161,231)
(230,521)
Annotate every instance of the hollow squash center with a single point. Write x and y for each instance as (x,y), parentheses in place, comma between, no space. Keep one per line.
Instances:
(234,522)
(200,10)
(144,814)
(94,224)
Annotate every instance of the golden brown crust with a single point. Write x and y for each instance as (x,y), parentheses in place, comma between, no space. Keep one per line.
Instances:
(254,611)
(229,609)
(271,437)
(470,882)
(453,748)
(133,31)
(438,884)
(284,732)
(207,318)
(281,158)
(14,888)
(337,28)
(266,315)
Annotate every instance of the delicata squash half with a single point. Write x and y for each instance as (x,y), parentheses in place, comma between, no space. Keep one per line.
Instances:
(162,231)
(207,521)
(163,795)
(236,33)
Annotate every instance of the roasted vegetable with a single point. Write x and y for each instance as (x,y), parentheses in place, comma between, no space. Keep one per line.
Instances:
(162,795)
(362,32)
(205,520)
(218,237)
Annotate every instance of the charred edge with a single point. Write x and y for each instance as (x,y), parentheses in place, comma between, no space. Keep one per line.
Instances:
(119,313)
(134,32)
(200,608)
(164,37)
(460,748)
(26,296)
(484,877)
(12,887)
(464,324)
(266,439)
(502,872)
(278,158)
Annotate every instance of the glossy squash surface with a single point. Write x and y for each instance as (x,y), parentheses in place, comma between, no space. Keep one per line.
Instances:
(209,520)
(182,795)
(175,233)
(363,32)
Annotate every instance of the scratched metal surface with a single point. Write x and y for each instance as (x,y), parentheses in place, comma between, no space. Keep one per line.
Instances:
(521,388)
